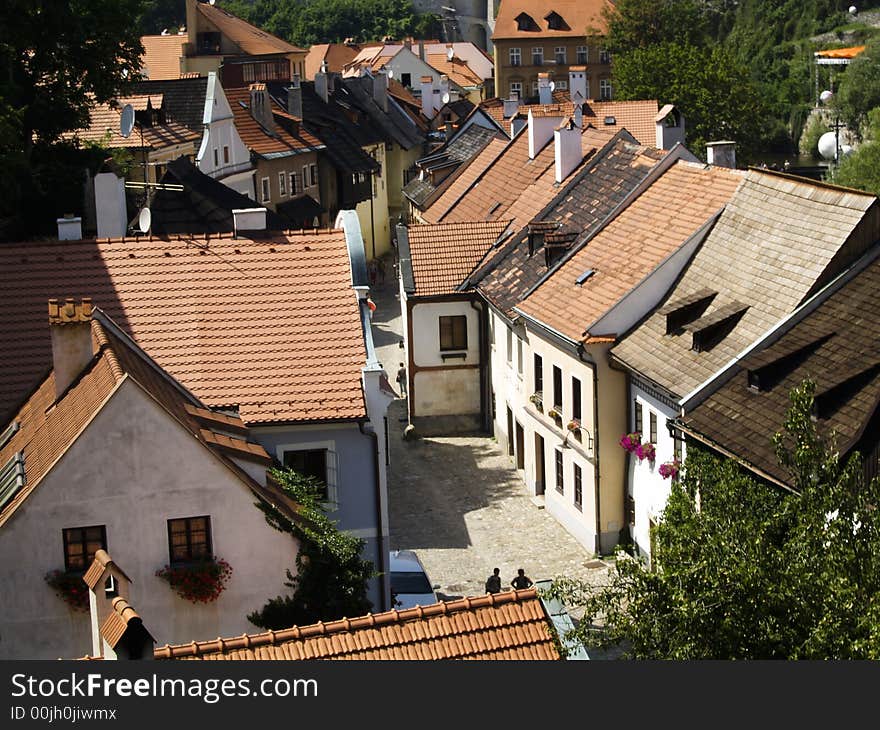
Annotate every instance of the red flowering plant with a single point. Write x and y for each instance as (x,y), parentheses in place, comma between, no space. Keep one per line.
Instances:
(201,581)
(631,442)
(646,451)
(670,469)
(71,587)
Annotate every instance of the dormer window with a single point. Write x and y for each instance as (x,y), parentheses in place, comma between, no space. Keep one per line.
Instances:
(208,43)
(524,21)
(767,368)
(555,21)
(710,329)
(685,310)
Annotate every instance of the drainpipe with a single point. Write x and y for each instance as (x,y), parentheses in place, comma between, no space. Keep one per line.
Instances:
(592,365)
(484,364)
(372,225)
(383,566)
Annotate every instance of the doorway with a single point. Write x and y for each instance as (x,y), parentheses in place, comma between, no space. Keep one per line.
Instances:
(520,447)
(540,470)
(510,450)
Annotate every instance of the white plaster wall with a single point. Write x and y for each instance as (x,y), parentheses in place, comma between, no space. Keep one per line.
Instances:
(133,469)
(220,132)
(649,490)
(374,221)
(447,392)
(426,333)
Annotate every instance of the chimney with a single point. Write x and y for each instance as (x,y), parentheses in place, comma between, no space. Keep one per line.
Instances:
(545,95)
(670,127)
(110,205)
(70,326)
(192,13)
(380,90)
(577,83)
(321,83)
(444,86)
(295,98)
(407,43)
(542,123)
(249,219)
(428,96)
(117,630)
(516,124)
(721,154)
(567,148)
(261,107)
(422,50)
(69,228)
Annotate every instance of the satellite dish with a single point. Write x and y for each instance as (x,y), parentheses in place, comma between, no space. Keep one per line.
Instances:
(126,121)
(445,98)
(390,73)
(145,219)
(450,52)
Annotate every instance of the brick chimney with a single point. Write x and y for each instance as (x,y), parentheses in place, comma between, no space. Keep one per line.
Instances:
(261,107)
(295,98)
(567,148)
(70,325)
(542,123)
(380,90)
(545,94)
(117,630)
(721,154)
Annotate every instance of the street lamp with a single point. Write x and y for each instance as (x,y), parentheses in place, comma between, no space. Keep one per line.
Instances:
(829,143)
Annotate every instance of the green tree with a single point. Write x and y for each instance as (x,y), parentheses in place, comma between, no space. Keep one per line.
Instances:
(707,84)
(745,570)
(859,90)
(331,579)
(639,24)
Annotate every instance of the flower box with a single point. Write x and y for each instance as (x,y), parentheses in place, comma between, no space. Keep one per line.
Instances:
(71,587)
(537,400)
(631,441)
(646,451)
(574,425)
(670,469)
(554,413)
(201,581)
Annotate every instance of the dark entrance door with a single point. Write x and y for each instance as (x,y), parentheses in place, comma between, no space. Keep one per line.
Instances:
(520,447)
(510,450)
(540,471)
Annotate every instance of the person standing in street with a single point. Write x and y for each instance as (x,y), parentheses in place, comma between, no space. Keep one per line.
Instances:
(522,581)
(401,380)
(493,582)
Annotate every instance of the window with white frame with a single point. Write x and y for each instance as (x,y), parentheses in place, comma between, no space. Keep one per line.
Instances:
(216,158)
(582,55)
(604,56)
(307,183)
(313,176)
(559,54)
(282,183)
(266,189)
(519,356)
(605,89)
(534,88)
(562,85)
(560,474)
(578,487)
(509,346)
(538,56)
(515,57)
(516,89)
(314,459)
(292,178)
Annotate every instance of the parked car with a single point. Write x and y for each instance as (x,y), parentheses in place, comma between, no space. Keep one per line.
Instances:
(410,585)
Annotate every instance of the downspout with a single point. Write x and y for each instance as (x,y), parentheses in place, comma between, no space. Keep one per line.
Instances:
(484,380)
(596,491)
(383,546)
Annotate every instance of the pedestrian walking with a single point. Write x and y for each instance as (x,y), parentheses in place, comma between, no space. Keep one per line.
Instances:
(521,581)
(401,379)
(493,582)
(380,269)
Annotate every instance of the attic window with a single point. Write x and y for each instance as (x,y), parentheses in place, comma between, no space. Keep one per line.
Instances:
(555,21)
(853,380)
(710,329)
(537,231)
(524,21)
(610,120)
(767,368)
(11,478)
(8,433)
(556,244)
(687,309)
(583,277)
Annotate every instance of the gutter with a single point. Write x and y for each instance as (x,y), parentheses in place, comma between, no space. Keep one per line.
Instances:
(383,567)
(484,360)
(597,492)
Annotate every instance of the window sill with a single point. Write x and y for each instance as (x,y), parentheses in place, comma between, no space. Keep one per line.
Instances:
(444,356)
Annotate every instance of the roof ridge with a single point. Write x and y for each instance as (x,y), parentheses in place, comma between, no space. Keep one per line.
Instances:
(106,349)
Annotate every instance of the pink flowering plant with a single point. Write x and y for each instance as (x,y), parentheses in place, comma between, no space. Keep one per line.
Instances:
(646,451)
(200,582)
(631,441)
(71,587)
(670,469)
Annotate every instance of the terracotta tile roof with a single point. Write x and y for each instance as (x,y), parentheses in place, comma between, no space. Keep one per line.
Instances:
(335,54)
(592,194)
(104,129)
(465,180)
(252,41)
(99,565)
(623,253)
(289,135)
(507,625)
(442,255)
(48,426)
(118,621)
(456,69)
(580,17)
(637,117)
(836,346)
(778,236)
(161,59)
(183,99)
(268,326)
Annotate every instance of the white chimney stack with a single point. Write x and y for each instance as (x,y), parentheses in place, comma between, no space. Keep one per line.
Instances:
(541,127)
(70,327)
(567,147)
(110,205)
(428,96)
(545,94)
(670,127)
(511,107)
(721,154)
(577,83)
(295,98)
(69,229)
(322,83)
(249,219)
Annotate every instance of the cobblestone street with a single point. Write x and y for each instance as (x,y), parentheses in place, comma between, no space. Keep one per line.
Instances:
(459,503)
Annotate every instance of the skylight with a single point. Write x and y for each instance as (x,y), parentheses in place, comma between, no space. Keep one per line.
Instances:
(583,277)
(11,478)
(8,433)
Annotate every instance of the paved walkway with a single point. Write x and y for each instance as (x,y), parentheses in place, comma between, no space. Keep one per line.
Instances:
(458,501)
